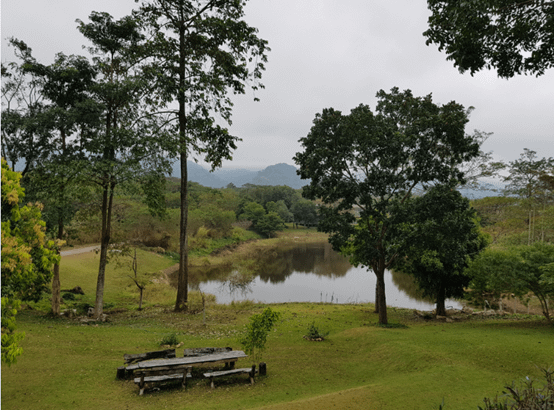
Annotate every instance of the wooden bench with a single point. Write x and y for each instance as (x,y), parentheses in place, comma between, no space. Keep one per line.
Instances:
(160,354)
(150,372)
(212,375)
(130,359)
(202,351)
(146,378)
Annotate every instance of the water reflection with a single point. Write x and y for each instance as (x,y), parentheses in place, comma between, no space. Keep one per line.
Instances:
(307,273)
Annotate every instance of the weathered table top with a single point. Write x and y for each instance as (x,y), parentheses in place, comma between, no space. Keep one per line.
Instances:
(233,355)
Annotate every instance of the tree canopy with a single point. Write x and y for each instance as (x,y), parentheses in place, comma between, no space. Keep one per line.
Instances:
(365,166)
(512,36)
(518,270)
(27,258)
(445,239)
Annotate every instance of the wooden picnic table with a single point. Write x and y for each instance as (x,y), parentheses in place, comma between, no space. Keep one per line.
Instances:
(165,369)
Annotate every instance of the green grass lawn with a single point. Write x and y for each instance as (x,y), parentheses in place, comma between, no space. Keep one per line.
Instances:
(67,364)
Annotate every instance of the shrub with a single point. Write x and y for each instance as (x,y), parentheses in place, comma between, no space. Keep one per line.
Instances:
(170,340)
(255,336)
(525,397)
(315,334)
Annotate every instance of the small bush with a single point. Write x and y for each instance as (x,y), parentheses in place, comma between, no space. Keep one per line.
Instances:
(525,397)
(254,338)
(169,340)
(315,334)
(68,296)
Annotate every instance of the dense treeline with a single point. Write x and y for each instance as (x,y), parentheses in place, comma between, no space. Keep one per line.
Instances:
(215,215)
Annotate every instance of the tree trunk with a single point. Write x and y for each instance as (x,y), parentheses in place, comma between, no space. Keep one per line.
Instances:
(376,299)
(56,286)
(182,281)
(107,202)
(56,296)
(441,298)
(141,289)
(544,305)
(381,300)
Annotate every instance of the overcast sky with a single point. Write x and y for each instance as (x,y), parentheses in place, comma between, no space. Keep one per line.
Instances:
(327,53)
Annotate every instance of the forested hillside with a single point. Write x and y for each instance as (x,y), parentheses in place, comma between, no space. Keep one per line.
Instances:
(217,217)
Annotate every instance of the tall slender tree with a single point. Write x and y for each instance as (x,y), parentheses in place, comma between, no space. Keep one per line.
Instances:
(126,144)
(199,51)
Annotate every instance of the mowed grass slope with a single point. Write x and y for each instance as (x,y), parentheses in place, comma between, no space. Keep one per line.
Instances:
(70,365)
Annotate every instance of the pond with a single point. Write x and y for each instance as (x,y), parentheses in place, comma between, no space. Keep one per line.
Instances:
(308,273)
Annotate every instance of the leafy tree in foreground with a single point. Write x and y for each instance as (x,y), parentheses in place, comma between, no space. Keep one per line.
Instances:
(27,258)
(374,162)
(513,36)
(446,238)
(200,51)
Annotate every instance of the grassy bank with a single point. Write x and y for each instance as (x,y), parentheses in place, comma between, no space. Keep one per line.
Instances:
(68,364)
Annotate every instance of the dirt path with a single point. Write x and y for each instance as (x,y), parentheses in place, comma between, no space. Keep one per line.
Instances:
(77,251)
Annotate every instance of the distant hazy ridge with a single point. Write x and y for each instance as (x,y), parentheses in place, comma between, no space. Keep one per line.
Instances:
(279,174)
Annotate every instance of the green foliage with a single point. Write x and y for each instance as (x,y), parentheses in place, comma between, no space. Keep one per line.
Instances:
(525,397)
(68,296)
(170,340)
(314,333)
(305,212)
(281,209)
(514,37)
(371,163)
(263,194)
(517,270)
(253,212)
(445,239)
(264,223)
(216,221)
(255,335)
(10,338)
(269,224)
(27,258)
(525,180)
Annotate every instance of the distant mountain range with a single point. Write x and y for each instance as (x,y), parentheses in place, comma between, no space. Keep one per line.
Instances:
(279,174)
(283,174)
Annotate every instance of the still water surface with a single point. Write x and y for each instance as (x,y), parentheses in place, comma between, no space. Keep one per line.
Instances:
(310,273)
